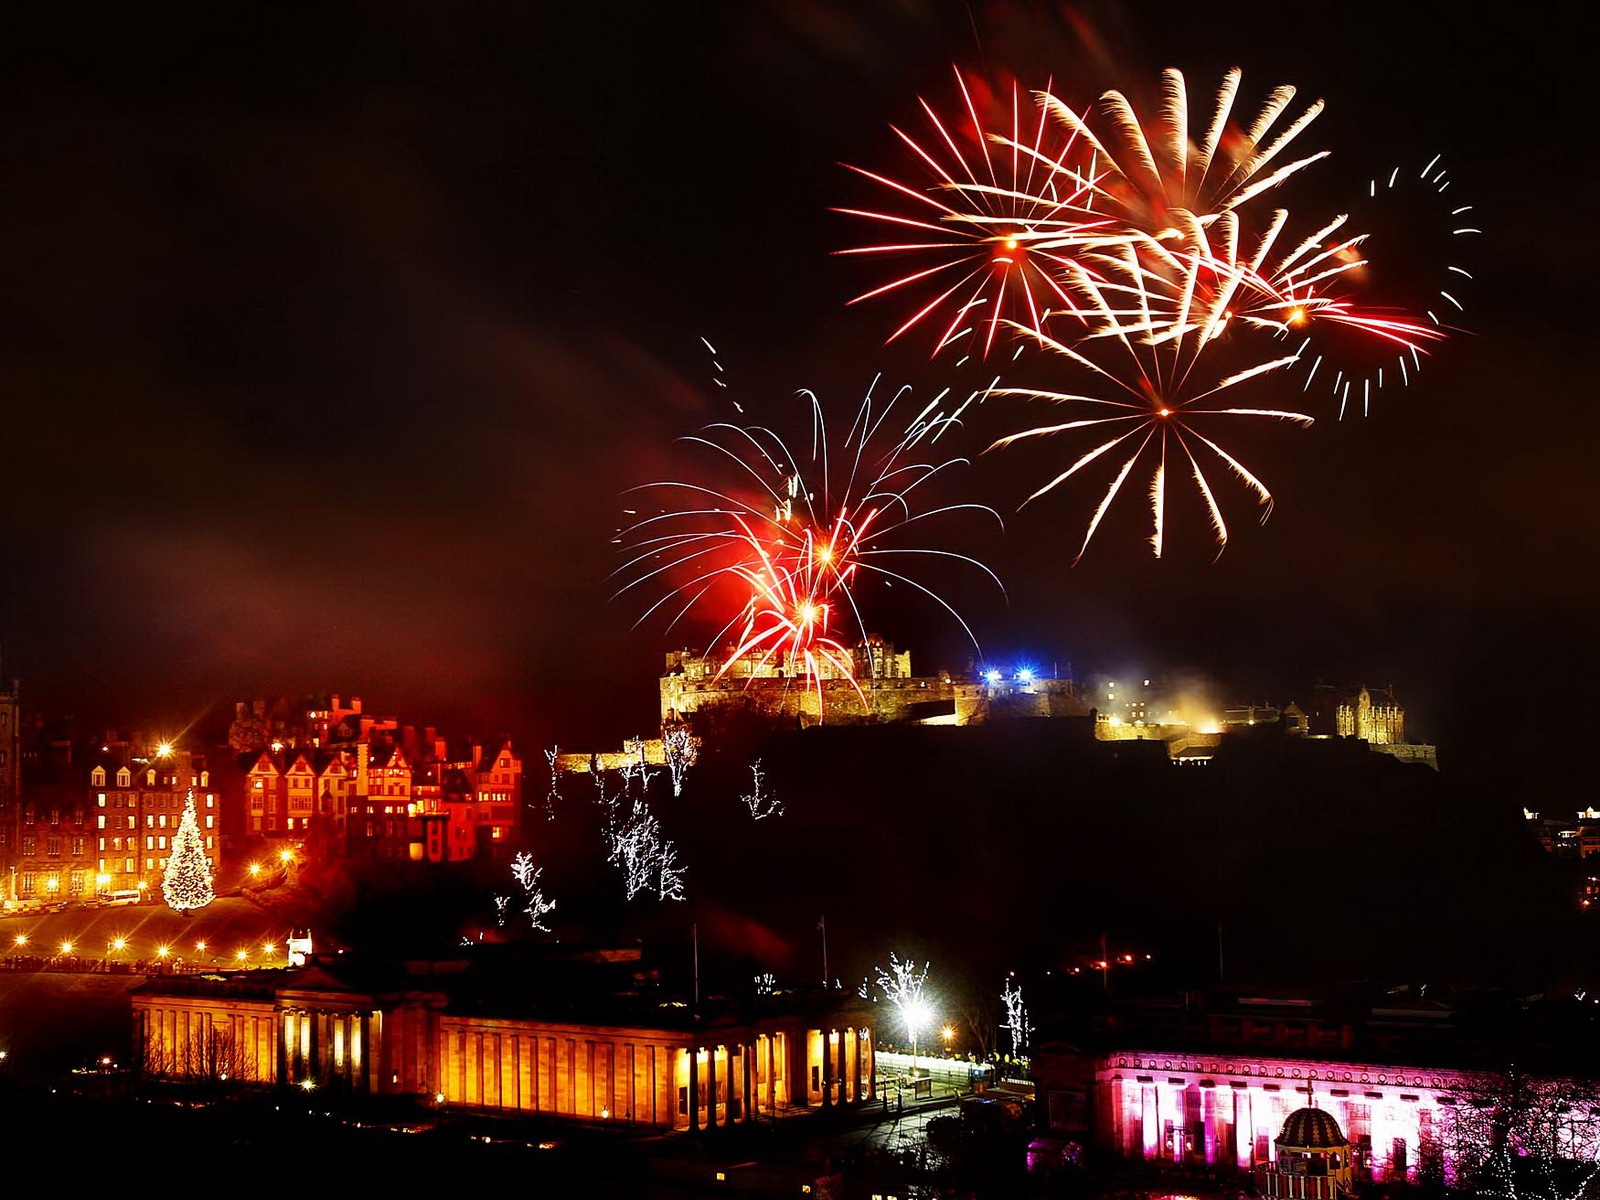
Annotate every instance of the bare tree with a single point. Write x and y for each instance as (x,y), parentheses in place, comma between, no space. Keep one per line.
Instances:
(1523,1137)
(682,751)
(213,1056)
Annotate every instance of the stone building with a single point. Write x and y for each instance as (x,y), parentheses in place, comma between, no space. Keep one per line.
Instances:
(136,796)
(563,1034)
(1372,715)
(10,786)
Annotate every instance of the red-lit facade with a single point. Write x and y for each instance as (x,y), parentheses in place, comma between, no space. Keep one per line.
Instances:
(377,800)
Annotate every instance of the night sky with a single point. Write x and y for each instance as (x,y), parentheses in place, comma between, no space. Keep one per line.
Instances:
(333,336)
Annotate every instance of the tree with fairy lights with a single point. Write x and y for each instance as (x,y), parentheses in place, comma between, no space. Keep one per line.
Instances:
(186,885)
(902,985)
(1018,1023)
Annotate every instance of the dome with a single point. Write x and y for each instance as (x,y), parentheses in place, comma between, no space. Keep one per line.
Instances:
(1311,1129)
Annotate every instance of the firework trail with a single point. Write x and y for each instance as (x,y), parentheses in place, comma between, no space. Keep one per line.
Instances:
(776,556)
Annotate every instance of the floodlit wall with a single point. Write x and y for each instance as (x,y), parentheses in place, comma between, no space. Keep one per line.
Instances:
(1227,1111)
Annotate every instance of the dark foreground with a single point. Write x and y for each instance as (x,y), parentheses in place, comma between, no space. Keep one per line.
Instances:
(268,1135)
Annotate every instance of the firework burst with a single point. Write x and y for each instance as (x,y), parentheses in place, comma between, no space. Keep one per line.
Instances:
(1157,269)
(775,558)
(1158,181)
(1319,293)
(1004,207)
(1152,408)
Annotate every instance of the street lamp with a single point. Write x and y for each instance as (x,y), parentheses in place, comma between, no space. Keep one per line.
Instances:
(949,1033)
(917,1015)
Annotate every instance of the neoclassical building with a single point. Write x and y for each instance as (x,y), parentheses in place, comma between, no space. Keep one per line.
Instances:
(1228,1110)
(555,1036)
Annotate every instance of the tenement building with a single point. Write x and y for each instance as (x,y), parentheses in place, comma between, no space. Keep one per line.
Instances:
(546,1030)
(338,782)
(86,829)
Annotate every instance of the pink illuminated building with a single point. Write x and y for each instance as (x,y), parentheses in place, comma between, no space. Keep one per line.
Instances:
(1315,1093)
(1228,1110)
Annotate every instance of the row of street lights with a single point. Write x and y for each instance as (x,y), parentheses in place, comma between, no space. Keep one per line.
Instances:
(119,944)
(102,881)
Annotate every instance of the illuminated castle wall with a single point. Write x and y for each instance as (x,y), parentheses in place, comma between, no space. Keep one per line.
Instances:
(1375,718)
(884,691)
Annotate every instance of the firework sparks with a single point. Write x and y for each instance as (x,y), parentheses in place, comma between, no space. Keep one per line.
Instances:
(1005,213)
(1156,419)
(1009,213)
(1157,278)
(1164,185)
(1318,292)
(787,547)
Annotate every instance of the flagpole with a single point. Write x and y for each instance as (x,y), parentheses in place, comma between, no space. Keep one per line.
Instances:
(822,924)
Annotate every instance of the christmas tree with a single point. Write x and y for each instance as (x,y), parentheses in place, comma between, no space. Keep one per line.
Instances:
(187,884)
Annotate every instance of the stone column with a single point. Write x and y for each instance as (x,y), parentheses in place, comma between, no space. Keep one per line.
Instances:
(711,1086)
(826,1067)
(872,1062)
(694,1089)
(772,1073)
(751,1102)
(280,1044)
